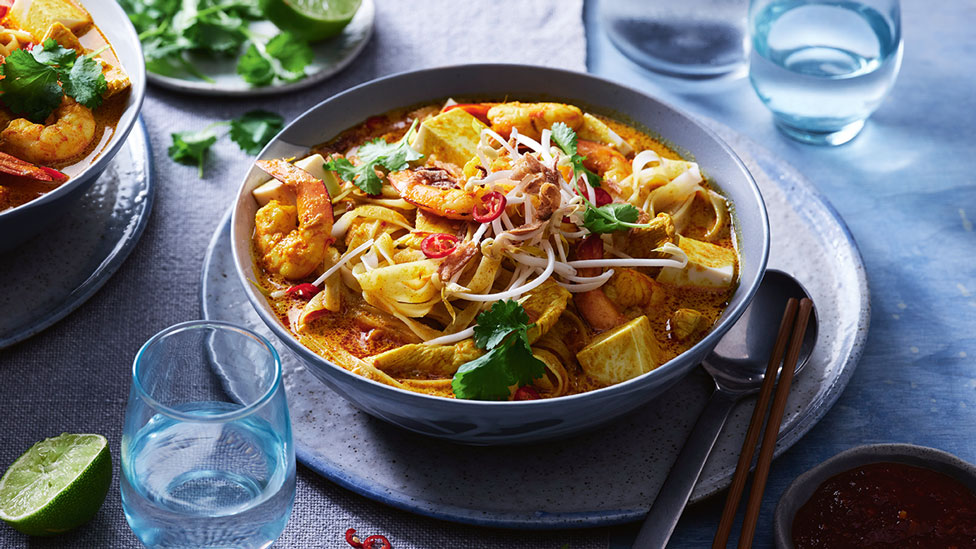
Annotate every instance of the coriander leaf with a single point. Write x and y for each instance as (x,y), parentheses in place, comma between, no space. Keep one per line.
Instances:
(254,129)
(85,82)
(30,88)
(376,153)
(292,52)
(566,140)
(52,53)
(489,376)
(191,147)
(255,68)
(617,216)
(496,323)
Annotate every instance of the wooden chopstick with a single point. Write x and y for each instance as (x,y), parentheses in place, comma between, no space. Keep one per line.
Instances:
(772,426)
(755,427)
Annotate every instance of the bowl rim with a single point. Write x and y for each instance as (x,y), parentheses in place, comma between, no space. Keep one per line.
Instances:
(730,315)
(865,454)
(106,156)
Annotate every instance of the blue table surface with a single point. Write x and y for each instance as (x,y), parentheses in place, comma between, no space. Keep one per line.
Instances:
(907,190)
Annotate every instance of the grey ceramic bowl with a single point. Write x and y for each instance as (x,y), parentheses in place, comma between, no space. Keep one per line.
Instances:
(27,220)
(477,422)
(806,484)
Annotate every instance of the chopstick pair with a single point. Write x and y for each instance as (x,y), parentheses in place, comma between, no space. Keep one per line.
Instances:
(791,330)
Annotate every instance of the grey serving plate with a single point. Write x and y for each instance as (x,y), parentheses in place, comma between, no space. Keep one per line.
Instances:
(909,454)
(90,243)
(606,477)
(483,422)
(20,223)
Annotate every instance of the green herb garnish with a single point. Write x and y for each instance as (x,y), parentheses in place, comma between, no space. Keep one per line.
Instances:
(251,131)
(502,330)
(254,130)
(565,139)
(192,147)
(375,154)
(171,29)
(35,81)
(616,216)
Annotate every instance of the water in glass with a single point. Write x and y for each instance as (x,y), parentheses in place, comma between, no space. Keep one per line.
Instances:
(823,67)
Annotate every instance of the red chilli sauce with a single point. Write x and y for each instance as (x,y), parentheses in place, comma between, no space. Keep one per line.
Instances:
(888,505)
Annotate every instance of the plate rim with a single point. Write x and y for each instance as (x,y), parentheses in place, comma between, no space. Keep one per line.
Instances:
(206,89)
(536,520)
(115,258)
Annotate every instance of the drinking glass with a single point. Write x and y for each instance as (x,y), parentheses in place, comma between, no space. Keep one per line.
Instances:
(823,66)
(688,39)
(199,469)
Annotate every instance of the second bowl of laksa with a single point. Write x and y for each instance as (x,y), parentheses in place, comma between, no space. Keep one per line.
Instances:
(488,249)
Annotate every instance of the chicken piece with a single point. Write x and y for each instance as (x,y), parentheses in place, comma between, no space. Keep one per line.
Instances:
(622,353)
(629,288)
(426,361)
(531,118)
(686,322)
(640,242)
(544,305)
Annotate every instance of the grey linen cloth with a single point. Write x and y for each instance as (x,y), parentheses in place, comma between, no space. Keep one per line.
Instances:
(75,376)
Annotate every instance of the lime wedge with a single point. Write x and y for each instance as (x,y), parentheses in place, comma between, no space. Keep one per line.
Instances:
(58,484)
(310,19)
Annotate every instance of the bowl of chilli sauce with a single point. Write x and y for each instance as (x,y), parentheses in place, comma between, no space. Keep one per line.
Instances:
(881,496)
(28,205)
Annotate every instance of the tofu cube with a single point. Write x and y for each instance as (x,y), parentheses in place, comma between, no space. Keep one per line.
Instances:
(450,136)
(709,266)
(623,353)
(593,129)
(63,36)
(37,16)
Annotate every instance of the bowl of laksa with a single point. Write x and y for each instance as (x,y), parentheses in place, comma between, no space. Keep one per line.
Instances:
(496,253)
(72,81)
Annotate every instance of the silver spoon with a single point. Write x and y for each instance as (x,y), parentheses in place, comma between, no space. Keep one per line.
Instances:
(738,366)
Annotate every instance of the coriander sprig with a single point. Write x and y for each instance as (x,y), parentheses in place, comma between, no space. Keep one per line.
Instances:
(376,154)
(251,131)
(502,330)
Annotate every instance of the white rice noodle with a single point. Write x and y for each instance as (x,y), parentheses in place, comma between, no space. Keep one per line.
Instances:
(529,211)
(644,158)
(588,286)
(494,135)
(492,177)
(342,261)
(396,203)
(545,141)
(370,261)
(342,224)
(530,143)
(506,221)
(277,294)
(577,234)
(618,253)
(482,229)
(587,279)
(635,262)
(560,248)
(560,267)
(520,289)
(496,226)
(450,339)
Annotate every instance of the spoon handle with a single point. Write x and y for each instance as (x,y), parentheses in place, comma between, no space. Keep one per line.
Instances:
(671,500)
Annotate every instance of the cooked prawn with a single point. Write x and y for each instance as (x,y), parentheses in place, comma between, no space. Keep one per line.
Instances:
(66,138)
(606,161)
(293,240)
(431,190)
(531,118)
(594,306)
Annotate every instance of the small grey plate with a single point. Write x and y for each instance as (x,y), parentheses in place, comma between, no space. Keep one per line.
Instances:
(605,477)
(51,275)
(800,491)
(331,56)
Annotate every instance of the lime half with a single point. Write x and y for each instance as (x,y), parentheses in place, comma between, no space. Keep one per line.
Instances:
(310,19)
(58,484)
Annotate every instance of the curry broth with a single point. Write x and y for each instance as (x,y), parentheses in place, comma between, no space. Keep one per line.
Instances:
(360,330)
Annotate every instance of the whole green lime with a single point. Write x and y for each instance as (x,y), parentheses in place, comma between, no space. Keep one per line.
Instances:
(56,485)
(311,20)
